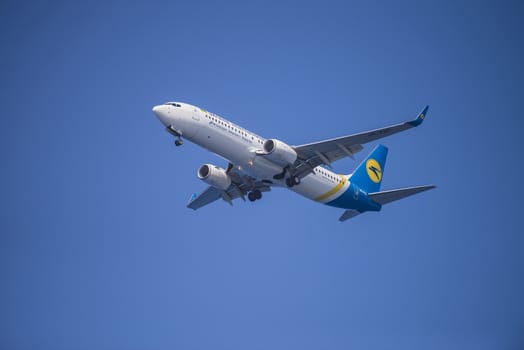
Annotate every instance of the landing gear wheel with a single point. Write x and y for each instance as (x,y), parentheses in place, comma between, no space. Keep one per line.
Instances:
(292,181)
(178,142)
(257,194)
(251,196)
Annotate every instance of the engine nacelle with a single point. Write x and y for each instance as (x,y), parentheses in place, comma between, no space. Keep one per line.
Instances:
(214,176)
(279,152)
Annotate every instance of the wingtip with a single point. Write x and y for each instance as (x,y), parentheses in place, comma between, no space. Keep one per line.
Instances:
(420,117)
(423,114)
(191,200)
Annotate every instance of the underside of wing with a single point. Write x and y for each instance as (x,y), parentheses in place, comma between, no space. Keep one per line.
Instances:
(328,151)
(209,195)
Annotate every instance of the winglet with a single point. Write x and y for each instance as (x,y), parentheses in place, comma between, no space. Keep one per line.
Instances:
(420,117)
(191,200)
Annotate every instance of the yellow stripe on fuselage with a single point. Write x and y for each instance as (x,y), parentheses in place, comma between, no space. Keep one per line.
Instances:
(333,190)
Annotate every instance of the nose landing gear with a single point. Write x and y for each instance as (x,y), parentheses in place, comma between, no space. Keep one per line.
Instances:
(176,133)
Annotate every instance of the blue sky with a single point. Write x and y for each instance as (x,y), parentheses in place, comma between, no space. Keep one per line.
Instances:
(97,249)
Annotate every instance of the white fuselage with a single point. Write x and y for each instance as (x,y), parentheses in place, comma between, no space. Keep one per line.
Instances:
(239,146)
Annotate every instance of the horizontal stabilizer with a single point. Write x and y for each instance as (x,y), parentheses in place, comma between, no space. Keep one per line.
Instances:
(348,214)
(385,197)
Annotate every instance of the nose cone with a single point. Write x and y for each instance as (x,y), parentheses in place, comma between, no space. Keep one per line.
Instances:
(161,114)
(156,110)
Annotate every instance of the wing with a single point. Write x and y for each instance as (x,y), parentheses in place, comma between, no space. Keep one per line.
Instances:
(328,151)
(241,185)
(209,195)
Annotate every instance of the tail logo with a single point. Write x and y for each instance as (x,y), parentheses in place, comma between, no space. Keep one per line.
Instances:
(374,170)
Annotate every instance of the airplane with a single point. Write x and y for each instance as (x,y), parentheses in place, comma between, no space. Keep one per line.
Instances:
(256,164)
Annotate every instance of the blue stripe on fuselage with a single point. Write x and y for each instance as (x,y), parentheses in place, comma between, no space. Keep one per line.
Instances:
(355,198)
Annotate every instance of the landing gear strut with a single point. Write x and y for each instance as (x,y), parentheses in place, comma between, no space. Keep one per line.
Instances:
(176,133)
(292,181)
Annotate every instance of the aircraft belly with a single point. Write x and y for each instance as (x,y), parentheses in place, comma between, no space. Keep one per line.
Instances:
(316,188)
(241,154)
(262,168)
(229,147)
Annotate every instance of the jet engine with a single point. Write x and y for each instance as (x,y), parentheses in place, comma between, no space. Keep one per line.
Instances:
(214,176)
(279,152)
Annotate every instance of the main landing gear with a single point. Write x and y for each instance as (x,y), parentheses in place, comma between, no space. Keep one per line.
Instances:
(292,181)
(179,142)
(254,195)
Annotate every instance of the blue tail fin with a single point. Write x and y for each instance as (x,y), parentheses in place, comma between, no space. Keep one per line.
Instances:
(368,175)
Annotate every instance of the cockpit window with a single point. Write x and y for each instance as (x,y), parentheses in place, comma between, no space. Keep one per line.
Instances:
(174,104)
